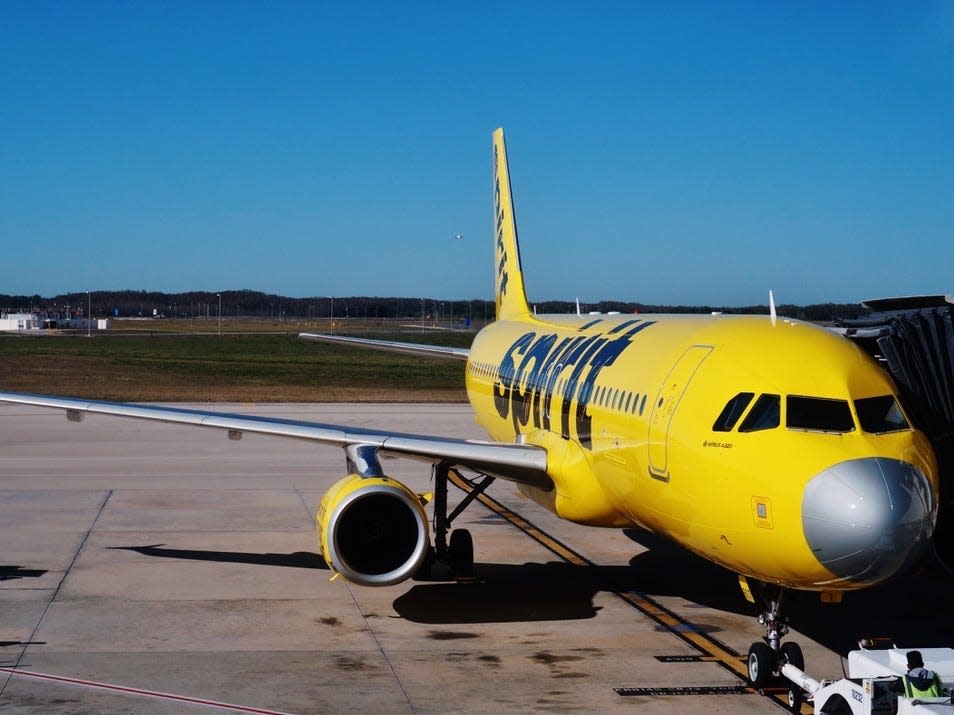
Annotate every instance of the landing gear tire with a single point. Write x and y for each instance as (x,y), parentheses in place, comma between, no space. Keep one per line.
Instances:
(460,555)
(795,699)
(763,662)
(791,653)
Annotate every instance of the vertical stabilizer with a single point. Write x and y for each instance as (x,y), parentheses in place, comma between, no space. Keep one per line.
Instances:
(509,292)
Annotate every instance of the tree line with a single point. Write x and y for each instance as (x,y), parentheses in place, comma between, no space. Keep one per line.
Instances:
(248,303)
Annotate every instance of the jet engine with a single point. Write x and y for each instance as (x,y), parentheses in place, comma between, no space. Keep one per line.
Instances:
(372,530)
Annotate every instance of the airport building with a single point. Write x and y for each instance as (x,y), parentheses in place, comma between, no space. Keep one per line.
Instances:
(23,322)
(18,322)
(83,324)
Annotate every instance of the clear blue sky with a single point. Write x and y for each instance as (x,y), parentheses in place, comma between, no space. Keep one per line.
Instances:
(660,152)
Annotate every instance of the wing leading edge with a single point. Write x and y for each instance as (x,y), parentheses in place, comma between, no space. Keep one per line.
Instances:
(392,346)
(523,464)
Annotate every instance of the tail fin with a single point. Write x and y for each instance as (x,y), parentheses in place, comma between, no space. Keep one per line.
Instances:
(508,280)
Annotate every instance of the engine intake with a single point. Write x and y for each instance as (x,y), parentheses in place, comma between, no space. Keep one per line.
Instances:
(372,530)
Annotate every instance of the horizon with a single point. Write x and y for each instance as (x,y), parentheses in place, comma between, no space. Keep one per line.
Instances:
(105,302)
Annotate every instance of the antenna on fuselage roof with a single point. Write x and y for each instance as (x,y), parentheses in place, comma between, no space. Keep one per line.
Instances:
(772,313)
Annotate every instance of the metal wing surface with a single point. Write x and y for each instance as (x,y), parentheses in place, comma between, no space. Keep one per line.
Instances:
(391,345)
(523,464)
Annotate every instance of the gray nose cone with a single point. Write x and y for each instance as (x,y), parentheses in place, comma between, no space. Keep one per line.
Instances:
(865,519)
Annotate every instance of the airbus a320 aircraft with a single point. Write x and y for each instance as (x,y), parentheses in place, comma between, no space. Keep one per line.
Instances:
(774,448)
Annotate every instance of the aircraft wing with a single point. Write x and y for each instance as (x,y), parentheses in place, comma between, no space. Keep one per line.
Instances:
(523,464)
(391,345)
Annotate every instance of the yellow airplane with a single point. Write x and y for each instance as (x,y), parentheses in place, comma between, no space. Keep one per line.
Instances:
(772,447)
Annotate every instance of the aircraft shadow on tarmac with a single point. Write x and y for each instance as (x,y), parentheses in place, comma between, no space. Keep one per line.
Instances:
(10,573)
(912,610)
(299,559)
(563,591)
(501,592)
(509,593)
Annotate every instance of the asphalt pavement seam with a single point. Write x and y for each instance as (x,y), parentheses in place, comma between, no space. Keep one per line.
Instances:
(56,592)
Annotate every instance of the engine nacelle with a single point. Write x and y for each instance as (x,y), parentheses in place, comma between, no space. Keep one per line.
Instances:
(372,530)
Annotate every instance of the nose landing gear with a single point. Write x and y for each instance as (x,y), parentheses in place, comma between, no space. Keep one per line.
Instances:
(767,657)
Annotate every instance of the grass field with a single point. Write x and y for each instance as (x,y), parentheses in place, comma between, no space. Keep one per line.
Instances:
(152,363)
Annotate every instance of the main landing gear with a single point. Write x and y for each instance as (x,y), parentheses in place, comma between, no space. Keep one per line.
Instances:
(457,554)
(767,657)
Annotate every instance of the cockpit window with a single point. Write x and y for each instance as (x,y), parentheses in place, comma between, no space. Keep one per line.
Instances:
(818,414)
(732,412)
(880,414)
(764,415)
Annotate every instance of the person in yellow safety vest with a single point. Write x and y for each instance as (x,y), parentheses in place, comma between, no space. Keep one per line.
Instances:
(919,682)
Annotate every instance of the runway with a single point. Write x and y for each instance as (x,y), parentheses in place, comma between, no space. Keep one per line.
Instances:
(165,569)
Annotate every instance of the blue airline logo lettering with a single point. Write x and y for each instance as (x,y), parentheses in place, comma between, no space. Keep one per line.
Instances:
(528,373)
(502,276)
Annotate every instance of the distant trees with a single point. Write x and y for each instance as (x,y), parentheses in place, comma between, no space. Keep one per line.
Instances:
(249,303)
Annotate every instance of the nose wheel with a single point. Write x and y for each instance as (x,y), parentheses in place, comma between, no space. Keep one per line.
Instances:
(763,664)
(767,656)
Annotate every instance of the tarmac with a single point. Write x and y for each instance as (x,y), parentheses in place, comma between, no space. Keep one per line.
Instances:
(156,568)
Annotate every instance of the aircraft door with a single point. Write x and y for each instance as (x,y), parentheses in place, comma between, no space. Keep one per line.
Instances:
(664,407)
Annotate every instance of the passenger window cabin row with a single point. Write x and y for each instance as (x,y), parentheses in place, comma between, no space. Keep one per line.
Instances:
(611,398)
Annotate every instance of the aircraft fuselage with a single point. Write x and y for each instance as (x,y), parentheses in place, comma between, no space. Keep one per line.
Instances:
(759,445)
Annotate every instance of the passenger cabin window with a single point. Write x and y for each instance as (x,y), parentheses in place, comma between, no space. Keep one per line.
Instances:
(880,415)
(764,415)
(818,414)
(732,412)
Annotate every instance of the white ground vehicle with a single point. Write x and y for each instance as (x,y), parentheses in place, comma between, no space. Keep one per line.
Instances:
(868,686)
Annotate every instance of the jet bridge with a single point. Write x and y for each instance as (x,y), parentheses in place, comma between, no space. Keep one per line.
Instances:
(914,339)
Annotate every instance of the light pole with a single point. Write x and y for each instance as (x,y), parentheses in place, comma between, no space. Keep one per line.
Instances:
(332,314)
(220,312)
(89,312)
